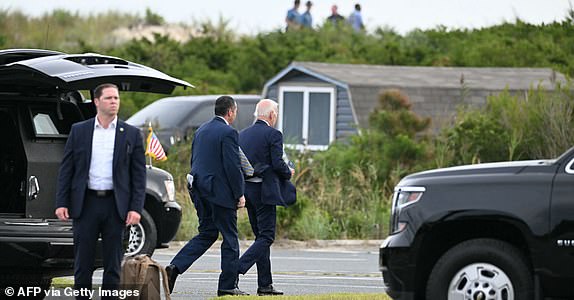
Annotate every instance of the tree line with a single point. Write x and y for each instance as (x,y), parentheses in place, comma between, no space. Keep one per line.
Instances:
(218,60)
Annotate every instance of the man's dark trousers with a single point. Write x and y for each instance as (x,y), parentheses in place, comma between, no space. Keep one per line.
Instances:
(98,216)
(212,220)
(262,218)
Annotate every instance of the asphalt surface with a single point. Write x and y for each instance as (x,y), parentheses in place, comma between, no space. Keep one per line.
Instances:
(299,268)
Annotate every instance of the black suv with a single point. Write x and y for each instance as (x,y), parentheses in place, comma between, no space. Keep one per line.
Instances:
(40,99)
(488,231)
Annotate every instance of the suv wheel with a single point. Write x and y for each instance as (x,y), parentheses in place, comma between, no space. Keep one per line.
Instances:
(481,269)
(141,238)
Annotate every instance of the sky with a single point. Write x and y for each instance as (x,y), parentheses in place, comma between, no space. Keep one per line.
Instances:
(254,16)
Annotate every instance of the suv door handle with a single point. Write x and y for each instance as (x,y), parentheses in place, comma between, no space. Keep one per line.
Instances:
(33,188)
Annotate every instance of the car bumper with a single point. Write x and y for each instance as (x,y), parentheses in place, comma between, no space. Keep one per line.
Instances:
(46,247)
(170,219)
(397,268)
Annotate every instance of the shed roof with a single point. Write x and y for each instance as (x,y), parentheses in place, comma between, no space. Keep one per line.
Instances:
(346,75)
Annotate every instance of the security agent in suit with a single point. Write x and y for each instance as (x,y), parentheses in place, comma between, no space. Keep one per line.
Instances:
(217,193)
(263,146)
(101,186)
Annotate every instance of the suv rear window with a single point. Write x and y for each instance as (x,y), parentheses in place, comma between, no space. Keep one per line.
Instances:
(43,125)
(47,124)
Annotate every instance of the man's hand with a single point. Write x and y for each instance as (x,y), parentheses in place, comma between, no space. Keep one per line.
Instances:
(292,171)
(133,218)
(241,202)
(62,213)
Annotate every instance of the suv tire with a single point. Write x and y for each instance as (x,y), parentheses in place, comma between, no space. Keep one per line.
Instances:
(141,238)
(494,268)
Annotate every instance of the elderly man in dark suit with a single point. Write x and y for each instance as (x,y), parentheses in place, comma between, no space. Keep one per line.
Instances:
(101,186)
(217,192)
(263,146)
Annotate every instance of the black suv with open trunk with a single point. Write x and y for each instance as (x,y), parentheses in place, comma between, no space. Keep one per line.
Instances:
(487,231)
(40,98)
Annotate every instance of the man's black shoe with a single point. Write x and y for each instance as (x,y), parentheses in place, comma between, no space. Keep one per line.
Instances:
(172,273)
(268,291)
(233,292)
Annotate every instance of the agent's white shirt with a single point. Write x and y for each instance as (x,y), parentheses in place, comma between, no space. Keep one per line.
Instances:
(101,163)
(224,120)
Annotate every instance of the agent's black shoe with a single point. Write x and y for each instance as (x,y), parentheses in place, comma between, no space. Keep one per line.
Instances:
(268,291)
(172,273)
(233,292)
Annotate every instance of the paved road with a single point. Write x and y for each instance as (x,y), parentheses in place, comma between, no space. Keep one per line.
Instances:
(298,269)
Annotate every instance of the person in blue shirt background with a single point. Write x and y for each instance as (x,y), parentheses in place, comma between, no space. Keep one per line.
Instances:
(293,18)
(356,20)
(306,18)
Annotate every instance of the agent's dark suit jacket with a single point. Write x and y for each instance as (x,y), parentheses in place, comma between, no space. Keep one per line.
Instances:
(129,174)
(263,146)
(215,164)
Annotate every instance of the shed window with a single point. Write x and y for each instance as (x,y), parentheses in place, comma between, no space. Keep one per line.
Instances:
(307,116)
(293,117)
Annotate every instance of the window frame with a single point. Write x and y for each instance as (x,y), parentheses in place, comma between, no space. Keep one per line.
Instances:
(307,90)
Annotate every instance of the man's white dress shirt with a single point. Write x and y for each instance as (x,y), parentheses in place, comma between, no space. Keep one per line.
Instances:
(101,163)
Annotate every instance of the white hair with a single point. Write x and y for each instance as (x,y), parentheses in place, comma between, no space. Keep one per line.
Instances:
(265,107)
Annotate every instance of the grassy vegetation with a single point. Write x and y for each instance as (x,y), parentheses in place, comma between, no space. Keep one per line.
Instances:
(61,282)
(514,127)
(62,30)
(345,192)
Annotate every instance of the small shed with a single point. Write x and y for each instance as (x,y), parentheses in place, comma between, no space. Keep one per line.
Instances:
(324,102)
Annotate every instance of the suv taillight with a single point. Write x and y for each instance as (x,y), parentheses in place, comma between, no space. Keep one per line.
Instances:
(403,196)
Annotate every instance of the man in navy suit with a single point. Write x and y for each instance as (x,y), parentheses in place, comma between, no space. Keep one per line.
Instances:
(101,186)
(263,146)
(217,193)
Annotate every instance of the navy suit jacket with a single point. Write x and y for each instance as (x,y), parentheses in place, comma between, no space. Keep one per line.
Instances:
(263,146)
(215,164)
(129,174)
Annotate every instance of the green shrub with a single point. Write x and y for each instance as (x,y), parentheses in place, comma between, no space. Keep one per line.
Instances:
(478,138)
(533,125)
(350,181)
(312,224)
(243,225)
(189,221)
